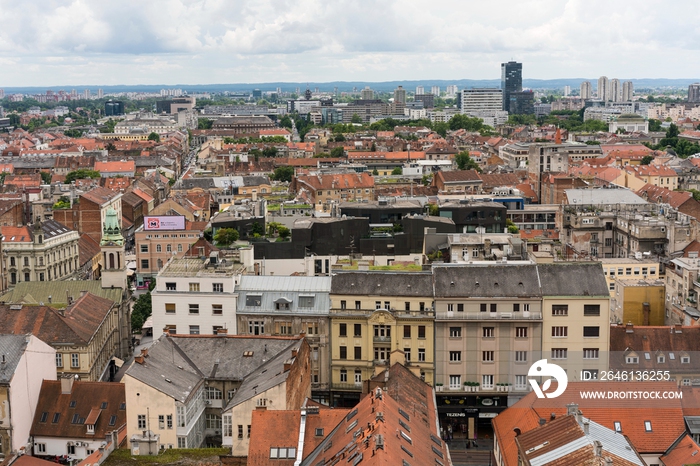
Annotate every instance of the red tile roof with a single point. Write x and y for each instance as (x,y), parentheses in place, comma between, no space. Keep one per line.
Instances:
(657,194)
(369,156)
(685,452)
(459,175)
(15,234)
(142,195)
(340,181)
(99,195)
(121,166)
(87,248)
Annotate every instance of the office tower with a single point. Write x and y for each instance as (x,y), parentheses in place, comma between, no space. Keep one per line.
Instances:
(420,90)
(694,92)
(615,90)
(367,94)
(567,91)
(603,89)
(522,103)
(511,81)
(435,90)
(586,90)
(400,95)
(627,91)
(478,100)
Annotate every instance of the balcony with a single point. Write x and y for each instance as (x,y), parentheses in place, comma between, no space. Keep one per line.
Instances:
(505,316)
(415,314)
(378,339)
(354,387)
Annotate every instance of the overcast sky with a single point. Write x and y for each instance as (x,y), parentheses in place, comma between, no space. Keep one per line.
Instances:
(95,42)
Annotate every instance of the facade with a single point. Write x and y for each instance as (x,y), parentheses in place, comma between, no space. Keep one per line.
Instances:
(26,362)
(481,100)
(627,91)
(399,95)
(196,295)
(630,268)
(372,315)
(88,214)
(458,181)
(694,92)
(324,189)
(630,123)
(638,301)
(74,418)
(603,92)
(285,306)
(586,90)
(244,124)
(44,251)
(682,291)
(511,81)
(521,102)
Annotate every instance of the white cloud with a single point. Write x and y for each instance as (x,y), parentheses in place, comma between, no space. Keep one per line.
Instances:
(207,41)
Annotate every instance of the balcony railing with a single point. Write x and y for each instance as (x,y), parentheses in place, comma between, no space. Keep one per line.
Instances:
(379,339)
(427,312)
(522,315)
(347,386)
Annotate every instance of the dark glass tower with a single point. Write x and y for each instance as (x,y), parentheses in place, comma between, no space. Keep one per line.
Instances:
(511,80)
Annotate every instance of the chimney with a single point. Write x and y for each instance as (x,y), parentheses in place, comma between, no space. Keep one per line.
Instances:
(677,328)
(287,365)
(144,352)
(67,384)
(608,461)
(646,313)
(629,327)
(586,427)
(571,408)
(294,352)
(138,359)
(598,447)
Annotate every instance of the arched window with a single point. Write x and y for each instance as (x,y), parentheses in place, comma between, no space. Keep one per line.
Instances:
(159,248)
(111,260)
(179,248)
(168,248)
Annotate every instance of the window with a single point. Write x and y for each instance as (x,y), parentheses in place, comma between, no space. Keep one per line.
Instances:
(358,376)
(591,353)
(407,353)
(144,263)
(387,305)
(343,352)
(450,307)
(170,286)
(421,331)
(161,422)
(71,449)
(521,356)
(482,307)
(632,359)
(74,360)
(455,382)
(40,447)
(407,331)
(685,359)
(487,332)
(516,307)
(159,248)
(647,426)
(169,421)
(253,300)
(256,327)
(421,354)
(591,331)
(240,430)
(377,305)
(686,382)
(213,393)
(520,382)
(141,421)
(358,305)
(455,332)
(520,332)
(455,356)
(618,426)
(487,382)
(343,304)
(421,306)
(343,375)
(591,309)
(56,417)
(661,359)
(358,352)
(407,306)
(194,308)
(343,330)
(144,248)
(487,356)
(560,309)
(560,332)
(306,301)
(382,332)
(217,287)
(357,330)
(284,453)
(559,353)
(26,261)
(217,309)
(194,329)
(59,360)
(493,307)
(312,328)
(194,286)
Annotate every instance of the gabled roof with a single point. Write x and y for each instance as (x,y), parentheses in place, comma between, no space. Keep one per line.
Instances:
(382,284)
(339,181)
(459,176)
(649,343)
(87,248)
(659,195)
(96,403)
(12,348)
(686,451)
(99,195)
(573,279)
(486,281)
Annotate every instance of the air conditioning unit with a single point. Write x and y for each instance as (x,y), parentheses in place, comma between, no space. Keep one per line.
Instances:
(207,402)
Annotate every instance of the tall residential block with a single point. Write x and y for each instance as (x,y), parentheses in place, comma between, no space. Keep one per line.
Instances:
(586,90)
(627,91)
(603,88)
(511,80)
(694,92)
(400,95)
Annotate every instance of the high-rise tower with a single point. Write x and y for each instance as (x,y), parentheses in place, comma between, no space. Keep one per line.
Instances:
(511,80)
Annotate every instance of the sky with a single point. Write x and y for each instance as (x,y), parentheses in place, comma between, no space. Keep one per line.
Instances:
(93,42)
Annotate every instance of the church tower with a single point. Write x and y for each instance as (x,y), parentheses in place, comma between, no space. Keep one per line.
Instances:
(112,246)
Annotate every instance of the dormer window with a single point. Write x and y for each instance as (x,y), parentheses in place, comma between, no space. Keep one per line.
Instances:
(660,359)
(282,304)
(632,359)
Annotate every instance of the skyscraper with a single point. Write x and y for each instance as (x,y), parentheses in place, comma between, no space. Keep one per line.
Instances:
(435,90)
(603,89)
(615,90)
(511,80)
(367,93)
(420,90)
(400,95)
(567,91)
(627,91)
(586,90)
(694,92)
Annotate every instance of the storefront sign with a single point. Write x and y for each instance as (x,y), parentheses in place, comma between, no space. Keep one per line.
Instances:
(455,415)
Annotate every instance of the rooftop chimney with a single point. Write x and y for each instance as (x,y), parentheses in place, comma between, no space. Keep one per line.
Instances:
(571,408)
(598,448)
(586,427)
(608,461)
(144,352)
(629,328)
(139,359)
(646,314)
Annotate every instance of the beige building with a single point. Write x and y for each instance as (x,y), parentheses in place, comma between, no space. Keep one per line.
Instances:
(629,268)
(373,314)
(45,251)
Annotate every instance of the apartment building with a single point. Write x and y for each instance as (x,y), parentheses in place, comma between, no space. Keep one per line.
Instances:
(323,189)
(373,314)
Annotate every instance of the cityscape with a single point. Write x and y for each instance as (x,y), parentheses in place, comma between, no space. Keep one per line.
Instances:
(356,251)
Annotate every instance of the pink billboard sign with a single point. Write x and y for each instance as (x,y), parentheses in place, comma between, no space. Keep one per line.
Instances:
(166,222)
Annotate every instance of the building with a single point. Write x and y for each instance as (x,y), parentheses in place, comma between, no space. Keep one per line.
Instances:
(44,251)
(73,418)
(400,95)
(586,91)
(87,215)
(185,387)
(325,189)
(26,362)
(629,123)
(631,268)
(428,100)
(113,107)
(627,91)
(373,315)
(521,102)
(694,92)
(109,169)
(511,81)
(615,90)
(639,302)
(285,306)
(481,100)
(367,94)
(196,295)
(603,92)
(457,181)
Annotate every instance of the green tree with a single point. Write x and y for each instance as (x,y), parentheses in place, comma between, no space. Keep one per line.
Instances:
(397,171)
(338,152)
(154,137)
(284,232)
(512,227)
(62,203)
(375,172)
(73,133)
(80,174)
(465,162)
(226,236)
(339,137)
(284,173)
(269,152)
(286,122)
(45,177)
(426,179)
(257,228)
(255,153)
(204,123)
(433,210)
(355,118)
(441,128)
(141,311)
(646,160)
(654,125)
(466,122)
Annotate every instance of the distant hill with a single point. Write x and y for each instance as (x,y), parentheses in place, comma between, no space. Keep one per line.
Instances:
(385,86)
